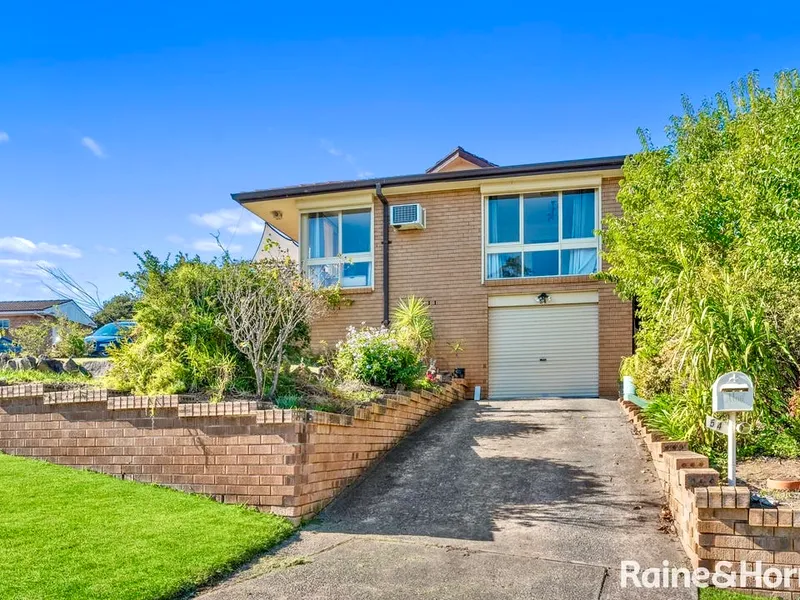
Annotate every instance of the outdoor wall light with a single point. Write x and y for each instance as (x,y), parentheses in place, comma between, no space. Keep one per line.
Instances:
(543,298)
(277,215)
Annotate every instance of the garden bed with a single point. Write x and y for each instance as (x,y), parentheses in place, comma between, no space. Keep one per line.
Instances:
(53,381)
(755,473)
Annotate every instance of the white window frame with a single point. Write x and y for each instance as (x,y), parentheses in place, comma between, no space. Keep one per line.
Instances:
(5,323)
(340,259)
(521,247)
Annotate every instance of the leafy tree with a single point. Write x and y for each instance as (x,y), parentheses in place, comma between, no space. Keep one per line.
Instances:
(118,308)
(709,246)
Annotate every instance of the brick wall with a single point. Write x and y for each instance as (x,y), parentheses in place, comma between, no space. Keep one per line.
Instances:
(716,523)
(442,263)
(291,462)
(17,320)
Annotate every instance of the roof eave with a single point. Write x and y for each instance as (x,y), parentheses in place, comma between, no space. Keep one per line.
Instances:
(567,166)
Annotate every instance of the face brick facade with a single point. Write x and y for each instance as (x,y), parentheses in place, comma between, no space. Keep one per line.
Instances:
(443,264)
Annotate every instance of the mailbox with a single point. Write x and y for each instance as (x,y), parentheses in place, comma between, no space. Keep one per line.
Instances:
(732,392)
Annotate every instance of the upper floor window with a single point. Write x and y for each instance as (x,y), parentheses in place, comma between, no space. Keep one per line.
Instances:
(541,234)
(5,323)
(337,247)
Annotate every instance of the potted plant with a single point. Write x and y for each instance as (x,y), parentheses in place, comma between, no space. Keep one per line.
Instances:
(456,348)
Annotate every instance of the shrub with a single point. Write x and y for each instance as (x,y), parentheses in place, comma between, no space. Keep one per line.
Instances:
(214,326)
(35,338)
(376,356)
(708,244)
(178,345)
(69,337)
(62,338)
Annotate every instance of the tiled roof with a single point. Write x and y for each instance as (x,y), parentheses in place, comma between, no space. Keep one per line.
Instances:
(466,155)
(28,305)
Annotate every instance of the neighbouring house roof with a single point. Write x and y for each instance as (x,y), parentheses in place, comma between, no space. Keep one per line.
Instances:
(491,172)
(53,308)
(460,159)
(29,305)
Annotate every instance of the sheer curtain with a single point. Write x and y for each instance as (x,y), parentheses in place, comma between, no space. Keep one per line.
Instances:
(494,218)
(493,266)
(503,219)
(582,261)
(323,235)
(582,215)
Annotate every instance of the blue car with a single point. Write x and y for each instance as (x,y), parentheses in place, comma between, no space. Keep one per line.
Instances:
(110,334)
(7,346)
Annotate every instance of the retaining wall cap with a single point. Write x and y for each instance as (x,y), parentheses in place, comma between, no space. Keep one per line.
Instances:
(692,478)
(22,390)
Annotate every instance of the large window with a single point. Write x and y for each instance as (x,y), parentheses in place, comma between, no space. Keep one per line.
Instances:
(337,247)
(5,323)
(541,235)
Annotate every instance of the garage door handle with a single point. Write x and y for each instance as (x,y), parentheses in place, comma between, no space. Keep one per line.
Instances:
(542,360)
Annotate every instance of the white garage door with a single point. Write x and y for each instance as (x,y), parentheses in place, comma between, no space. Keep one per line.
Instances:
(537,351)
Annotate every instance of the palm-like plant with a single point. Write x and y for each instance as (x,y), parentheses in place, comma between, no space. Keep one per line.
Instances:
(413,325)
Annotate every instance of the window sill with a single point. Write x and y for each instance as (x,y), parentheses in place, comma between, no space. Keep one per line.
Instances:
(354,291)
(540,280)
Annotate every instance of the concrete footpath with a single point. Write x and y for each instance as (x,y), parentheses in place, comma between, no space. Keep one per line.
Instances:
(521,499)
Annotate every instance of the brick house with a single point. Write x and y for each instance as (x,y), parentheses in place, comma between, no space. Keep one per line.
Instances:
(14,313)
(504,255)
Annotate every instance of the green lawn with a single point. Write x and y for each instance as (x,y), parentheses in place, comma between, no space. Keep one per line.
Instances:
(74,534)
(715,594)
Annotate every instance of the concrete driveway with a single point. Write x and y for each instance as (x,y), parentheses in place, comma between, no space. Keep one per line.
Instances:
(519,499)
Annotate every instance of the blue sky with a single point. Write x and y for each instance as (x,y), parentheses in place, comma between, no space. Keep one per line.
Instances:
(125,126)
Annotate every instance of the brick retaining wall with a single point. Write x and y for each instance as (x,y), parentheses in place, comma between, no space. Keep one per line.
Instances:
(290,462)
(716,523)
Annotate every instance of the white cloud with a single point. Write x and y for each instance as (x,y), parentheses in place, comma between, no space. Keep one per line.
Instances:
(212,246)
(233,220)
(93,147)
(328,146)
(175,239)
(334,150)
(20,245)
(27,268)
(20,279)
(248,227)
(4,137)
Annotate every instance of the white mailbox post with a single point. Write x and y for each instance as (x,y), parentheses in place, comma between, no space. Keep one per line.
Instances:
(731,393)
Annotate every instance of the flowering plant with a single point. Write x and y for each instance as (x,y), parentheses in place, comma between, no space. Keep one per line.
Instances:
(376,356)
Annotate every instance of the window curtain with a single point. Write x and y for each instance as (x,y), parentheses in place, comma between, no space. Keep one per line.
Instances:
(323,238)
(493,266)
(579,262)
(504,265)
(494,224)
(582,215)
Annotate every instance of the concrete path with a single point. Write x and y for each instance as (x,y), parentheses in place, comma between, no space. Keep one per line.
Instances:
(523,499)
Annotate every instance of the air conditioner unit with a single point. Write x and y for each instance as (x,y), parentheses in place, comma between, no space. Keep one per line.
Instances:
(408,216)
